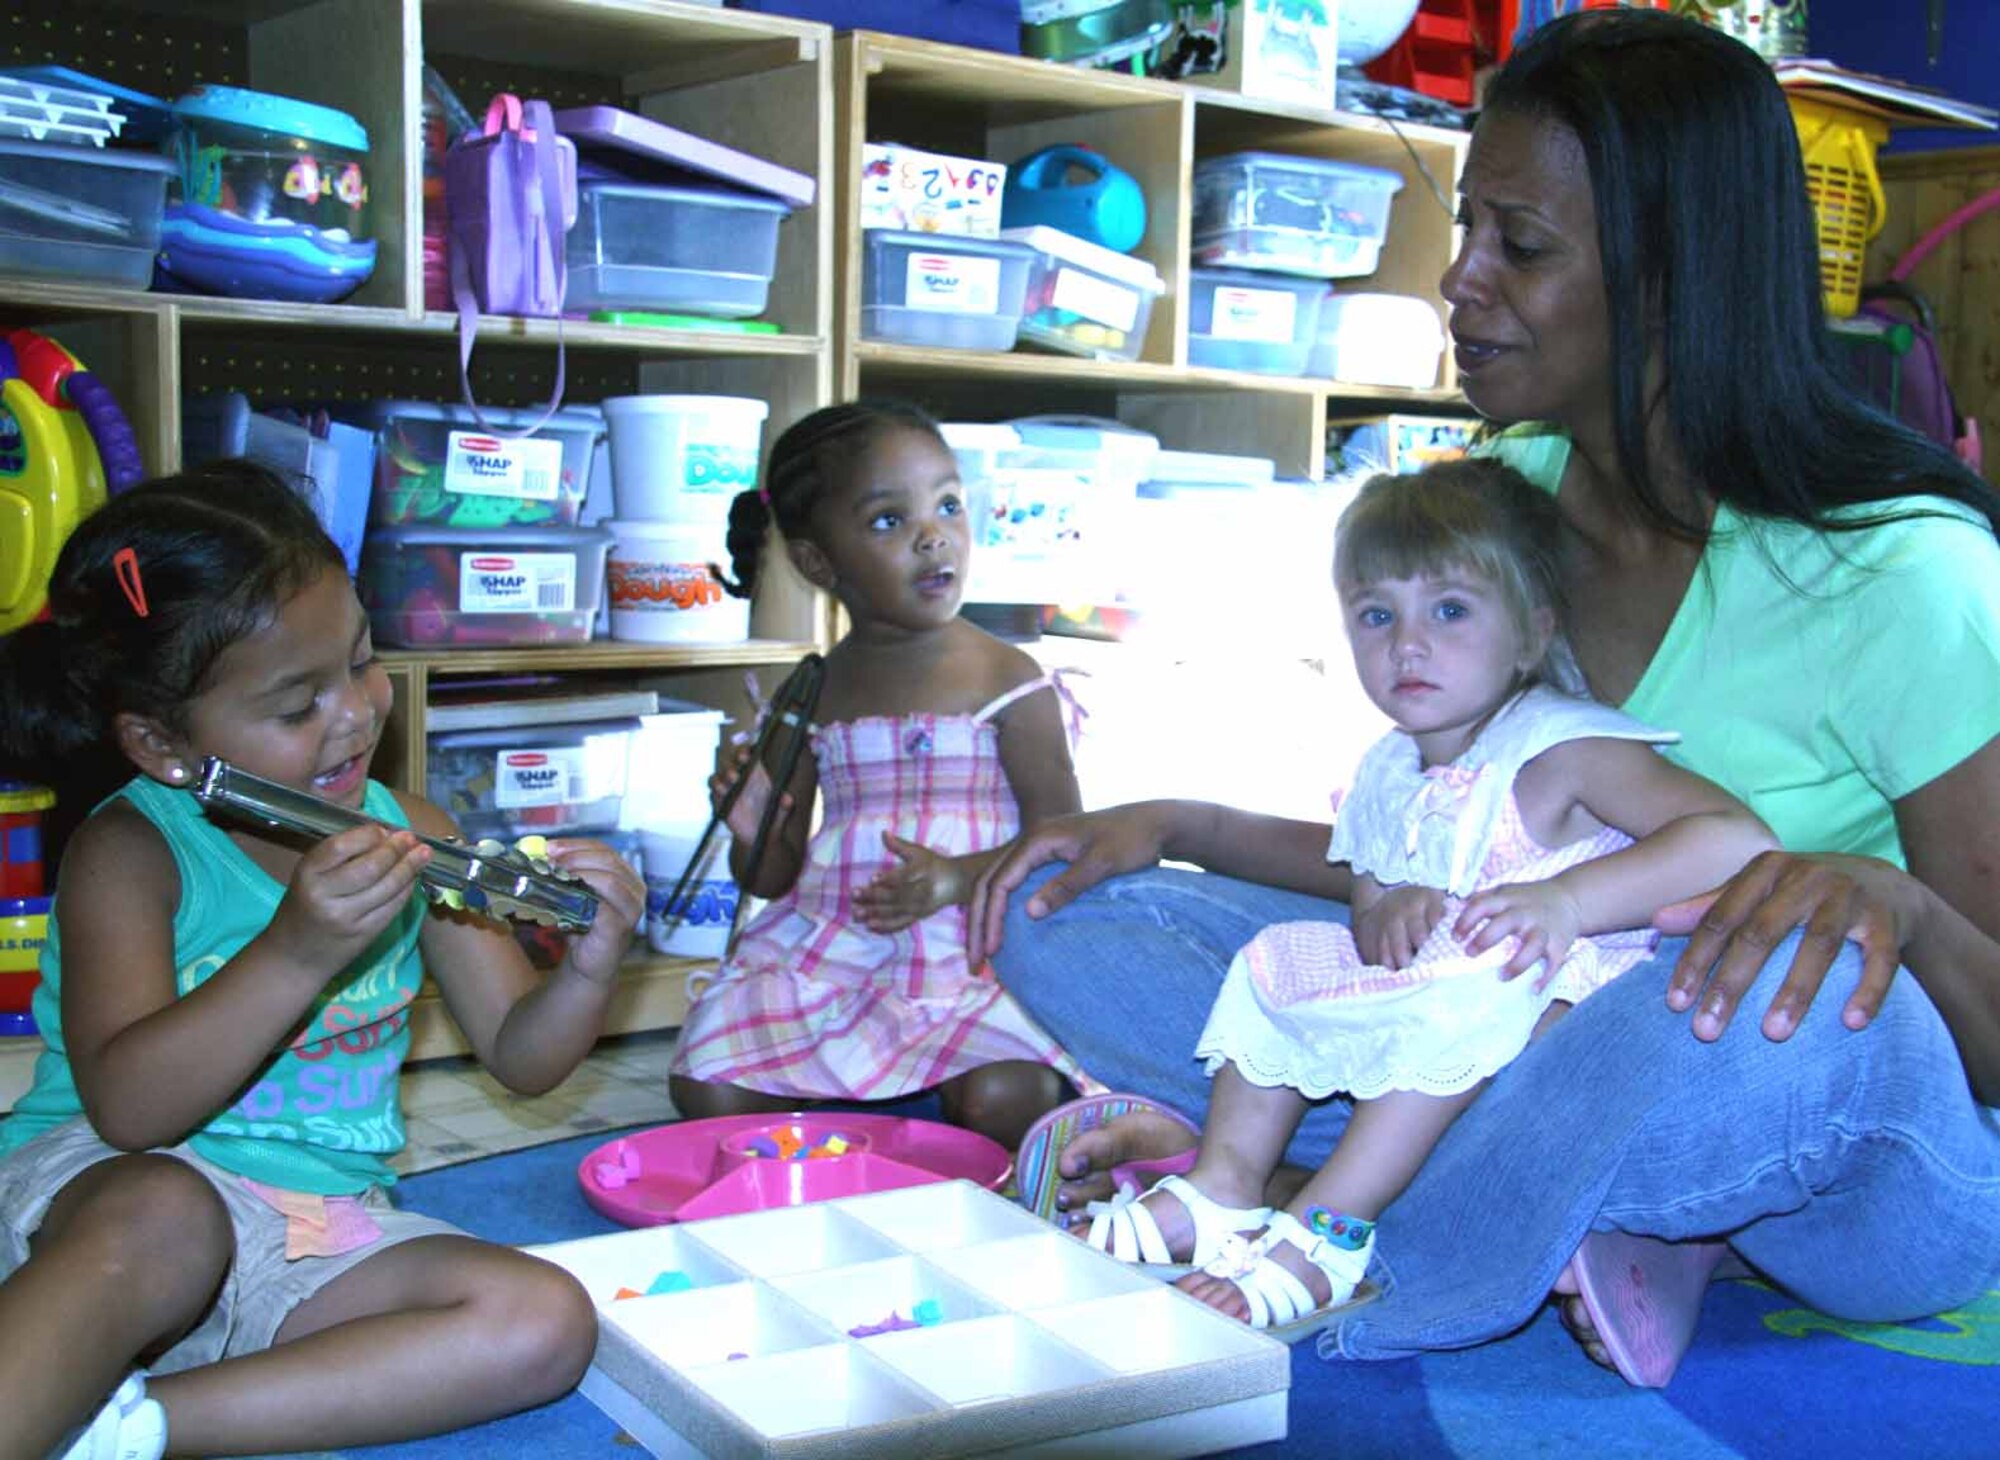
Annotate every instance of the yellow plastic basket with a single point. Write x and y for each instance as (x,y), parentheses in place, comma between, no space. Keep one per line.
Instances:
(1839,147)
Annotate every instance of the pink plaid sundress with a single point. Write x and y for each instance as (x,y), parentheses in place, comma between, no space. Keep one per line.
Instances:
(811,1003)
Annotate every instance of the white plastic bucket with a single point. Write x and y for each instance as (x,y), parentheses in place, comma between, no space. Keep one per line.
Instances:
(698,925)
(661,590)
(683,458)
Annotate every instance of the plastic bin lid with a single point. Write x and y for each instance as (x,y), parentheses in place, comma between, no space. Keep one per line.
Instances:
(647,319)
(378,413)
(146,117)
(994,248)
(1327,165)
(282,114)
(539,538)
(1087,255)
(525,737)
(707,197)
(89,157)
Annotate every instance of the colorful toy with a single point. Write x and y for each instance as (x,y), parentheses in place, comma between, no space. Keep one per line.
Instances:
(1079,192)
(63,444)
(744,1163)
(444,585)
(24,928)
(21,808)
(272,200)
(936,1320)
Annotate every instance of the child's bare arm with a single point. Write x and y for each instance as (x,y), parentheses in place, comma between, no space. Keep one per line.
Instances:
(528,1029)
(785,852)
(1689,835)
(152,1067)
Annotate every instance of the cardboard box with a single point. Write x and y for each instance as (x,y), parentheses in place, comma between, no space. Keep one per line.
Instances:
(929,192)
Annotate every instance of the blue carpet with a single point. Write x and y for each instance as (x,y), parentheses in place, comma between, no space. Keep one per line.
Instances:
(1765,1378)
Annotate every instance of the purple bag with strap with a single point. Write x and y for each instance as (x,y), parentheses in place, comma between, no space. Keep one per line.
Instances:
(510,196)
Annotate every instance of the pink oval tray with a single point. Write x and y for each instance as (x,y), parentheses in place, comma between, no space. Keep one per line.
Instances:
(711,1168)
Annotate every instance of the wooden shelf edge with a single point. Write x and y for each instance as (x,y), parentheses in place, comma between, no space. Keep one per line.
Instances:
(651,994)
(374,319)
(1139,374)
(597,654)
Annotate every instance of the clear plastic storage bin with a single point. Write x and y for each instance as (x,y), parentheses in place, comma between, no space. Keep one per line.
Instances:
(962,293)
(687,250)
(1264,323)
(426,587)
(546,779)
(438,465)
(1291,215)
(1050,503)
(1378,339)
(70,212)
(1084,299)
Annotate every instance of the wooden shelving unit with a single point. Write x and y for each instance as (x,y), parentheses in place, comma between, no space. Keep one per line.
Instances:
(783,89)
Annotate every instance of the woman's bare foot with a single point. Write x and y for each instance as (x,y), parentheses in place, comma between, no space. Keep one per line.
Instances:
(1086,1162)
(1575,1315)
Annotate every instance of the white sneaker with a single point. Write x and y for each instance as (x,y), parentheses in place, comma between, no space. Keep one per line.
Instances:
(129,1427)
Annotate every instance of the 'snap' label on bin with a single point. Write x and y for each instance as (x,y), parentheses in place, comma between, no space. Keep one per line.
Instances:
(528,778)
(490,466)
(952,283)
(1096,299)
(517,582)
(1265,316)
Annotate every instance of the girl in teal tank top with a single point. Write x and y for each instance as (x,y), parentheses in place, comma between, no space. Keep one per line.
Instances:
(226,1013)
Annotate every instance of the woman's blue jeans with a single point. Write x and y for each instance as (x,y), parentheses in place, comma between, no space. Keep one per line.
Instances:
(1854,1169)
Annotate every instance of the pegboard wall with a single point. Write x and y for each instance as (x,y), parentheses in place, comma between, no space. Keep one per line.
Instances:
(159,50)
(476,82)
(301,366)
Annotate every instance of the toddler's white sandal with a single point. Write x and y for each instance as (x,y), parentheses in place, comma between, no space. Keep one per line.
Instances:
(1279,1303)
(1128,1230)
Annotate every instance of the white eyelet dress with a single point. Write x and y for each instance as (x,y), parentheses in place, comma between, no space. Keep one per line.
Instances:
(814,1005)
(1300,1008)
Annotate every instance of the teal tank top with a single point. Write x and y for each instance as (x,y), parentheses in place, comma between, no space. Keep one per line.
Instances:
(324,1114)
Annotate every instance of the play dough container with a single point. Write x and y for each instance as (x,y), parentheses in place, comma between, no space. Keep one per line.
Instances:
(682,458)
(663,590)
(745,1163)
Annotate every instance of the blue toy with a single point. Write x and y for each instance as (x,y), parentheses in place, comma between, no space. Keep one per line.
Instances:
(1078,191)
(272,200)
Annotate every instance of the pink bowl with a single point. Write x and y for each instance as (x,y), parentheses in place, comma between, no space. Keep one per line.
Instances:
(708,1168)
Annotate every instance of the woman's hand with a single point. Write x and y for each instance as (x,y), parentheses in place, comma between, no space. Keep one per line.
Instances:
(343,892)
(1833,899)
(1543,917)
(922,882)
(1096,844)
(1390,927)
(621,902)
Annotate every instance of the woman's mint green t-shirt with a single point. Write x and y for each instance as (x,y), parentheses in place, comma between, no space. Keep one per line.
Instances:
(324,1113)
(1820,677)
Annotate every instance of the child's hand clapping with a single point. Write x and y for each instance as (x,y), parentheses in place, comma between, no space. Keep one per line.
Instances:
(621,901)
(343,892)
(901,895)
(1542,916)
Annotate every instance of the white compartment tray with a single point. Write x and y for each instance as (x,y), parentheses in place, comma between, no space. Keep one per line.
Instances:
(1037,1344)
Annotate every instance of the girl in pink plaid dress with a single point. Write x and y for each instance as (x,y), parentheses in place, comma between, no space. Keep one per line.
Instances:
(933,745)
(1504,827)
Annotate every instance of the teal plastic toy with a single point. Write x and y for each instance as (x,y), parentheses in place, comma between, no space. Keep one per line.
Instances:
(1079,191)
